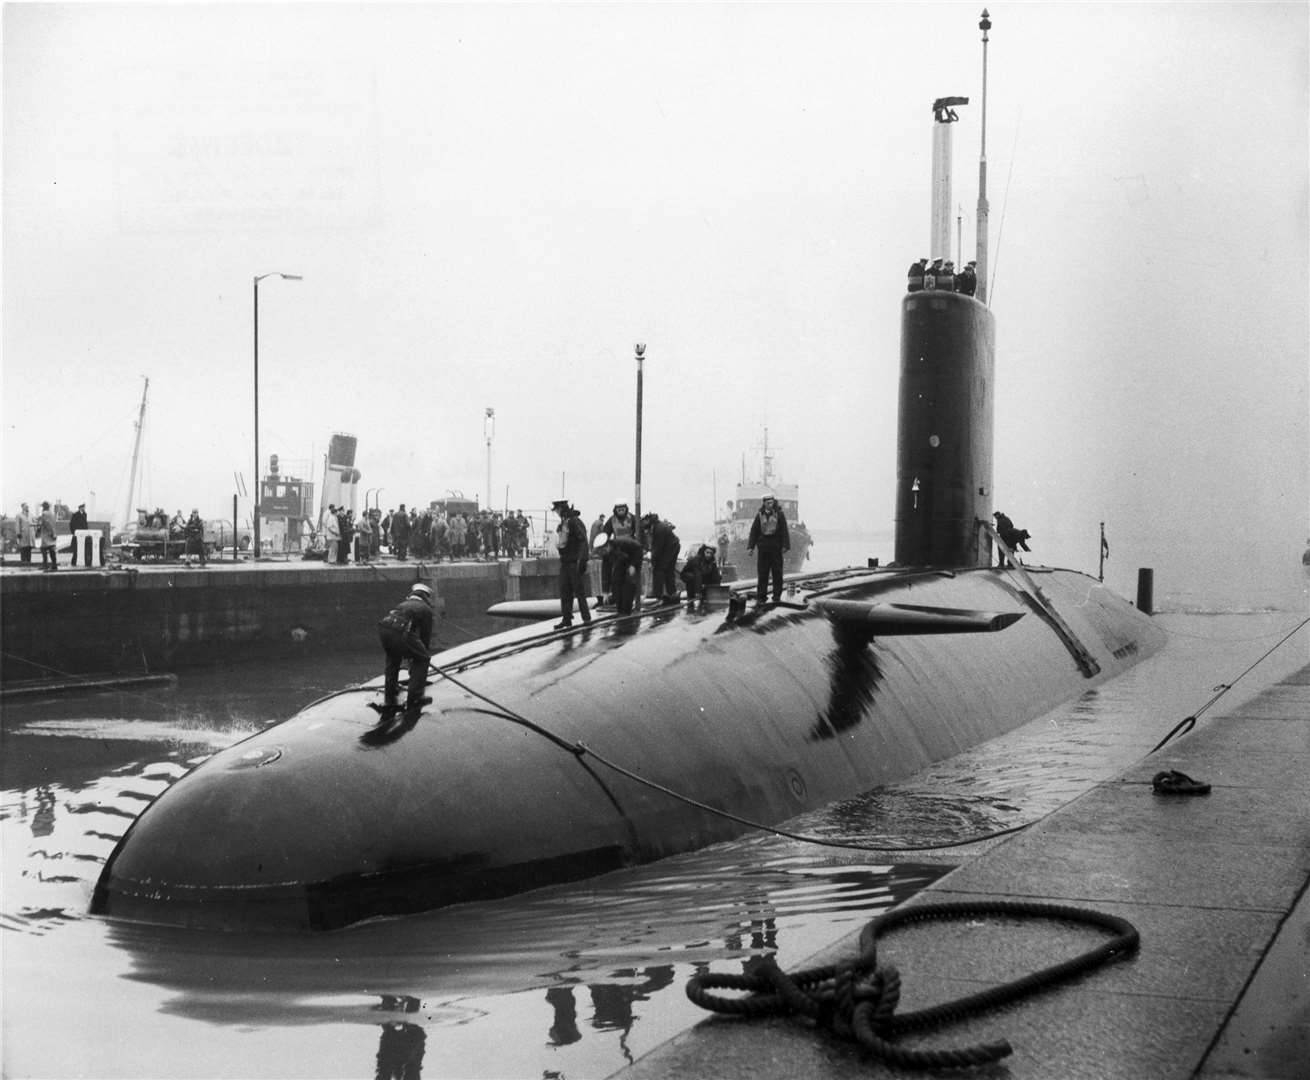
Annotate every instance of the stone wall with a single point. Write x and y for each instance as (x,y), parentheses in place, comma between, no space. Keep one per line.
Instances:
(127,621)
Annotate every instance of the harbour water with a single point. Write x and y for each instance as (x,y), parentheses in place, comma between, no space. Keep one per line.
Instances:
(570,981)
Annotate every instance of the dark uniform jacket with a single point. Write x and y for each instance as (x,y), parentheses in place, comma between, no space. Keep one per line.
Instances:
(702,569)
(575,547)
(664,545)
(764,536)
(411,616)
(626,551)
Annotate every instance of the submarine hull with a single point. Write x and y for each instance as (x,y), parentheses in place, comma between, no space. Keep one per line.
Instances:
(535,763)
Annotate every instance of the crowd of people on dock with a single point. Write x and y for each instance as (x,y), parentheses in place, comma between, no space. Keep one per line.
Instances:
(620,541)
(431,534)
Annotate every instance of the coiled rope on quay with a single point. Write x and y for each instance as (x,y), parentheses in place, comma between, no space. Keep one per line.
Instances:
(858,998)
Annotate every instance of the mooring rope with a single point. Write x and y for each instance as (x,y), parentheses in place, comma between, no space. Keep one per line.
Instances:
(1188,722)
(858,998)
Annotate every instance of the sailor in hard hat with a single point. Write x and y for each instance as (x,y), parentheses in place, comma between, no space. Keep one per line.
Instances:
(769,534)
(406,635)
(619,523)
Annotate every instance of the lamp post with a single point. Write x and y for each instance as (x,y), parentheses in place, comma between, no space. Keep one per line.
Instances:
(488,430)
(259,487)
(640,350)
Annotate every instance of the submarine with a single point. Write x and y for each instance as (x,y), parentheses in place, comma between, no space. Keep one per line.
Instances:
(548,755)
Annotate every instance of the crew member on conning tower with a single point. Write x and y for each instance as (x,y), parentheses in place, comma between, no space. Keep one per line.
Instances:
(966,281)
(916,276)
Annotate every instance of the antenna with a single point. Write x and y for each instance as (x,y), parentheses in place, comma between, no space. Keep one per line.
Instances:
(984,25)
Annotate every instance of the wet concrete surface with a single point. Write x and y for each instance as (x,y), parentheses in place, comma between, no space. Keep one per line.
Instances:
(1216,884)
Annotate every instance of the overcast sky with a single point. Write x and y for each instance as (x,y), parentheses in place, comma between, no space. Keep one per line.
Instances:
(490,204)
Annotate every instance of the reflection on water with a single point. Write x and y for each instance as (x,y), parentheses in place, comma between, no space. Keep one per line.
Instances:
(572,980)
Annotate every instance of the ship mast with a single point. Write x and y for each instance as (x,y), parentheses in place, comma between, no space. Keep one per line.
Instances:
(984,25)
(944,115)
(136,454)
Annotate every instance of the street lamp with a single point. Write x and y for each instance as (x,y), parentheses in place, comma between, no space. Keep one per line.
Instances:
(640,350)
(488,430)
(259,487)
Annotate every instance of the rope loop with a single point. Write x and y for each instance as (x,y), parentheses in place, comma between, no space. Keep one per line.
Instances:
(857,999)
(1181,728)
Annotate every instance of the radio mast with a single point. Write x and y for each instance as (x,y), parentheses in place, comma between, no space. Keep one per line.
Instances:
(984,25)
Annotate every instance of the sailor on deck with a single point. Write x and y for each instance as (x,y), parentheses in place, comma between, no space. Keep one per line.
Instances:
(699,573)
(571,542)
(619,523)
(769,534)
(1015,539)
(406,635)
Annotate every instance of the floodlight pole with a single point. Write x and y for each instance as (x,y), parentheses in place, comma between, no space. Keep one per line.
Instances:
(489,429)
(641,356)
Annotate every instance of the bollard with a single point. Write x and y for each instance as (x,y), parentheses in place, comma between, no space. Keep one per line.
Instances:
(1145,589)
(89,546)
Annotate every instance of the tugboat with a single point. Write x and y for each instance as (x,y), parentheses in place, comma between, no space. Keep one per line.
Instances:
(732,531)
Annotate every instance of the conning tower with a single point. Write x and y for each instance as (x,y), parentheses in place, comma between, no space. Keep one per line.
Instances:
(945,415)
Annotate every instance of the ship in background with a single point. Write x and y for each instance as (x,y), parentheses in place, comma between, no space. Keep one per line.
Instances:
(733,529)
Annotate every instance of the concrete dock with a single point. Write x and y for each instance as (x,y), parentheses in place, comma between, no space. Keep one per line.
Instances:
(132,619)
(1216,884)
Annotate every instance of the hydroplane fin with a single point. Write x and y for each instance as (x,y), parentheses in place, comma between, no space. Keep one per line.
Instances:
(897,619)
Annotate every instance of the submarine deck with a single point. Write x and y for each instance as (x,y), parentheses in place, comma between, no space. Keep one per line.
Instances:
(1216,885)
